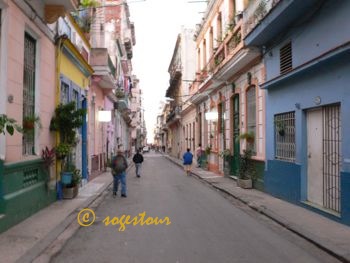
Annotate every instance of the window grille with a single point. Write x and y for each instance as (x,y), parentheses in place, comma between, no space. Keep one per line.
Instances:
(64,93)
(286,64)
(28,91)
(285,136)
(76,98)
(251,112)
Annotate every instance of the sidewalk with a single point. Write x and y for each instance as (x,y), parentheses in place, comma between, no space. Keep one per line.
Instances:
(27,240)
(324,233)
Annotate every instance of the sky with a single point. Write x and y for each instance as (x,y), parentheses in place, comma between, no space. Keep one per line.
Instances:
(157,24)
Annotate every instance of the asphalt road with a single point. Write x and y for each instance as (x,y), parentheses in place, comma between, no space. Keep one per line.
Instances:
(205,226)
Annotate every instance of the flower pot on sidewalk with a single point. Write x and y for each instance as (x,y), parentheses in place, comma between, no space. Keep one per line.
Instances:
(70,192)
(245,183)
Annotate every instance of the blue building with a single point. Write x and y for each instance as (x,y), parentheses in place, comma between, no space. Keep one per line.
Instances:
(306,52)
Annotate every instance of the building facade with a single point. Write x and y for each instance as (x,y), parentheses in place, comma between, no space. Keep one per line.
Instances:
(28,86)
(229,100)
(307,153)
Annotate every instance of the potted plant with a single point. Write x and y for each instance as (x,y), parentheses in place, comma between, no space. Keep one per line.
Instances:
(280,127)
(225,155)
(248,136)
(29,122)
(246,172)
(8,125)
(208,150)
(65,121)
(62,150)
(48,157)
(119,93)
(71,190)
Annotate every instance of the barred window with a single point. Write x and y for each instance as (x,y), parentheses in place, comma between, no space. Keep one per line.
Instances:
(251,112)
(285,136)
(29,91)
(76,98)
(64,93)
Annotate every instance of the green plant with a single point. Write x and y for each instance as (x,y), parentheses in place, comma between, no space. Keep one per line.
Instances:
(280,127)
(62,150)
(248,136)
(66,120)
(76,178)
(246,165)
(119,93)
(225,153)
(208,150)
(89,3)
(30,121)
(8,125)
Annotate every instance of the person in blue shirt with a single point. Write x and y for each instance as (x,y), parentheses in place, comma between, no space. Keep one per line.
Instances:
(188,158)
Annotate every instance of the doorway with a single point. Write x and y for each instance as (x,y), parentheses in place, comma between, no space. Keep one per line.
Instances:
(235,135)
(323,156)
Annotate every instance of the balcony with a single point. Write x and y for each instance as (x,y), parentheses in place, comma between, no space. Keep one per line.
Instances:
(231,56)
(229,46)
(56,8)
(174,115)
(263,20)
(127,44)
(103,67)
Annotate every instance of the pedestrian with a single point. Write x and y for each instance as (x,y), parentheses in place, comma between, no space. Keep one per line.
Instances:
(188,157)
(199,152)
(138,160)
(119,166)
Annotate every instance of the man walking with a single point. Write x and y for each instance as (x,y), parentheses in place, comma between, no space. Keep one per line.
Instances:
(119,166)
(188,157)
(138,160)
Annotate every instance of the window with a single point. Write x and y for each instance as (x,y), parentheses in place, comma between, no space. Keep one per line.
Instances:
(251,112)
(29,90)
(286,58)
(219,28)
(76,98)
(285,136)
(204,53)
(64,93)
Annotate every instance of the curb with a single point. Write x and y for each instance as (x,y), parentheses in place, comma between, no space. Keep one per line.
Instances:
(62,232)
(269,214)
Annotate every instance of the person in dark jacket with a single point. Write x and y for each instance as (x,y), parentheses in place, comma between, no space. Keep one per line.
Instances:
(138,160)
(119,166)
(188,158)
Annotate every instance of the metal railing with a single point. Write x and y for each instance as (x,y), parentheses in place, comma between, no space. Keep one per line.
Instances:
(255,12)
(230,45)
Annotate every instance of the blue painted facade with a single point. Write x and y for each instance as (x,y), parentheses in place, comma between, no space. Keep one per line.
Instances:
(320,40)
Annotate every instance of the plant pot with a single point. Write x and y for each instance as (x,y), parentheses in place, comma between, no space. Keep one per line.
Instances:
(70,192)
(281,132)
(245,183)
(66,178)
(28,125)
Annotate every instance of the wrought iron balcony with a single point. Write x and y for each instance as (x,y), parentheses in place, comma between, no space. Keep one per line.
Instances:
(174,114)
(231,44)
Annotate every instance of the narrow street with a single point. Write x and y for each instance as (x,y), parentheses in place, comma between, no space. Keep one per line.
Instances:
(205,226)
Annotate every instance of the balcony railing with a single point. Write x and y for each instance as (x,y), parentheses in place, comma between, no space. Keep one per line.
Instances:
(101,59)
(255,12)
(229,47)
(174,114)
